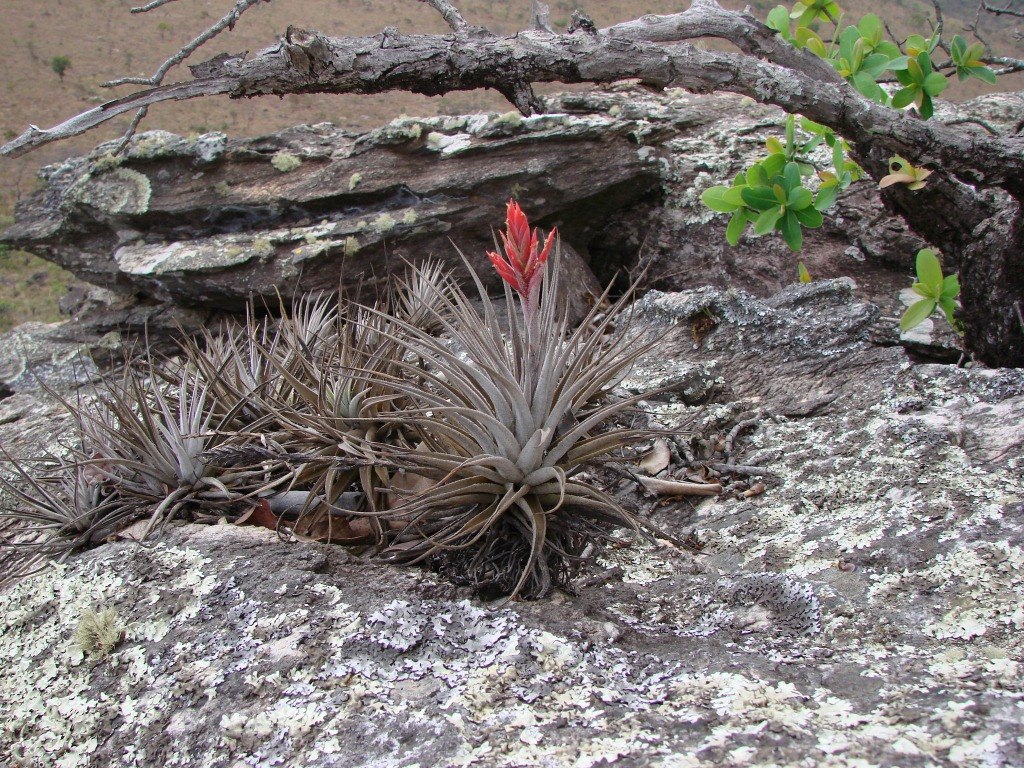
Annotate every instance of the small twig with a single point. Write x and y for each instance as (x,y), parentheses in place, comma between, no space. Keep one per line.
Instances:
(939,21)
(450,14)
(739,469)
(541,17)
(600,578)
(680,453)
(1020,316)
(1007,11)
(975,30)
(151,6)
(892,36)
(227,22)
(132,127)
(752,421)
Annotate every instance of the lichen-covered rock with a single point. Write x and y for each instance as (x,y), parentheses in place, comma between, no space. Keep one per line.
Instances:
(215,223)
(862,608)
(117,192)
(210,221)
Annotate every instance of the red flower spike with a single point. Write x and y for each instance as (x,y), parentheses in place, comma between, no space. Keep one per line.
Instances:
(522,265)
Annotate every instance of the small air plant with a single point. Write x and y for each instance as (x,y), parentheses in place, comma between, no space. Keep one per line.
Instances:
(333,420)
(142,451)
(505,427)
(61,509)
(418,294)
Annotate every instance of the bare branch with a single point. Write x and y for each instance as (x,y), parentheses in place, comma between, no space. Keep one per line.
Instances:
(132,128)
(939,21)
(1006,65)
(152,6)
(1007,10)
(540,17)
(227,22)
(450,14)
(36,137)
(648,49)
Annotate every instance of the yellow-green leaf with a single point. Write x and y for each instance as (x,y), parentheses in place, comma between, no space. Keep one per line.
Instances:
(917,313)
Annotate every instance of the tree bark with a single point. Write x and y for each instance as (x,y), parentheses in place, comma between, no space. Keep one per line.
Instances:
(968,165)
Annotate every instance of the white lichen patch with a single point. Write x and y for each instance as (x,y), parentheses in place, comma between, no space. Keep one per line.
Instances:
(448,145)
(50,711)
(224,251)
(118,191)
(642,563)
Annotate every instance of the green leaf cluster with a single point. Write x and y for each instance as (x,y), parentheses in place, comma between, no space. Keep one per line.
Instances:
(861,55)
(772,196)
(920,84)
(936,292)
(968,60)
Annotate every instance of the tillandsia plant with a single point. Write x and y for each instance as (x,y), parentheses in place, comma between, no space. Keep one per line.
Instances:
(505,426)
(424,430)
(141,451)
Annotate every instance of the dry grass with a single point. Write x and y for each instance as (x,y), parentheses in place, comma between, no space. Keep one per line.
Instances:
(29,286)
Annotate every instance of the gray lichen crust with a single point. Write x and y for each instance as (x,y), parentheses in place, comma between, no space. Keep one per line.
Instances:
(119,191)
(863,611)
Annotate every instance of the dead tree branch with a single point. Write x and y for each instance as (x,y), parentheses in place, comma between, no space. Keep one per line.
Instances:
(651,49)
(450,14)
(152,6)
(227,22)
(1006,10)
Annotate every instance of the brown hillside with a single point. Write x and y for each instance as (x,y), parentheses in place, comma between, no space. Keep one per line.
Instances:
(103,40)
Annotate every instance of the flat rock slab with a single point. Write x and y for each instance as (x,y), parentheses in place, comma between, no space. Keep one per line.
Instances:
(865,609)
(207,221)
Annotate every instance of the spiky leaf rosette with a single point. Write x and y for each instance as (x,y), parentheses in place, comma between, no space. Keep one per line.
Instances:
(505,428)
(61,507)
(418,295)
(338,412)
(142,449)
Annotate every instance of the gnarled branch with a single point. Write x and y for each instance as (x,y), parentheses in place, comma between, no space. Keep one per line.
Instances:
(651,49)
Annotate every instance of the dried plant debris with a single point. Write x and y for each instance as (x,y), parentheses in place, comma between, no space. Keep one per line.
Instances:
(421,430)
(98,631)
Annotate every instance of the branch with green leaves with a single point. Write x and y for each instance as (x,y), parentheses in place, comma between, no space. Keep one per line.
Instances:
(785,192)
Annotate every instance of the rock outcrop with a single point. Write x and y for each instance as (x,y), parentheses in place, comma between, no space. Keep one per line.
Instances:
(207,221)
(856,601)
(204,221)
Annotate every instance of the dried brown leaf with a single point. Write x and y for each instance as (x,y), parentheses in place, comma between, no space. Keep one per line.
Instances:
(657,459)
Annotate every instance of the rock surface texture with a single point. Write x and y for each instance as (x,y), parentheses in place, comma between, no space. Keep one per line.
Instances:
(864,609)
(210,222)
